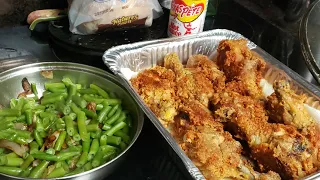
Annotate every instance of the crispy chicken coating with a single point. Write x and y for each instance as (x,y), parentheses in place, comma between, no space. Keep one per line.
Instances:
(277,147)
(209,69)
(285,106)
(156,86)
(199,80)
(240,64)
(212,149)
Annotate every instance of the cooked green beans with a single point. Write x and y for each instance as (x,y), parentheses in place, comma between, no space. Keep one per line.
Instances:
(71,129)
(93,149)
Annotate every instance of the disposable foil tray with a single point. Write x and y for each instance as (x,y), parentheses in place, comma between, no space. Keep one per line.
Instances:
(127,61)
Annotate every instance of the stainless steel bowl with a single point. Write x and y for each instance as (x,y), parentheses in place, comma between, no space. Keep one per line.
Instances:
(10,87)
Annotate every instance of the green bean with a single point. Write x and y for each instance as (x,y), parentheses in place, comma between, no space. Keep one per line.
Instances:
(115,128)
(62,156)
(34,147)
(72,91)
(125,137)
(77,137)
(21,140)
(39,125)
(63,108)
(51,100)
(54,85)
(21,133)
(79,101)
(98,133)
(20,104)
(13,103)
(123,146)
(12,154)
(13,161)
(109,155)
(113,140)
(47,115)
(129,121)
(37,171)
(77,148)
(83,159)
(67,81)
(75,108)
(51,151)
(93,149)
(125,130)
(65,166)
(22,118)
(25,172)
(89,98)
(81,117)
(87,91)
(101,92)
(103,140)
(69,125)
(38,139)
(73,116)
(45,156)
(114,117)
(76,171)
(13,171)
(28,116)
(90,113)
(86,146)
(112,101)
(121,118)
(99,107)
(106,127)
(52,95)
(87,166)
(6,125)
(34,89)
(113,110)
(3,160)
(97,160)
(2,150)
(9,119)
(60,140)
(10,112)
(57,172)
(57,90)
(93,127)
(103,113)
(27,162)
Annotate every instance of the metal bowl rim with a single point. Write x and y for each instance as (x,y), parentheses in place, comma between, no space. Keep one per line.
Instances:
(85,68)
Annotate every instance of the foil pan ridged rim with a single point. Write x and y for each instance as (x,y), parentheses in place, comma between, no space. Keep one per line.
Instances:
(135,56)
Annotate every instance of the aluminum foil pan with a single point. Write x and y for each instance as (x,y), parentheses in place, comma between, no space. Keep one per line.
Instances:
(127,60)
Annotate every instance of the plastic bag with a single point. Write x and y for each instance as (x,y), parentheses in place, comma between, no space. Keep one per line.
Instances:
(94,16)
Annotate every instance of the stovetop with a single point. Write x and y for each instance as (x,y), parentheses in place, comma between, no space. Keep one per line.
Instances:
(150,158)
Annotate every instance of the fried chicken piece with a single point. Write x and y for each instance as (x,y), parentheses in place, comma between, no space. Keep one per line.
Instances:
(191,82)
(240,64)
(277,147)
(212,149)
(285,106)
(156,86)
(209,69)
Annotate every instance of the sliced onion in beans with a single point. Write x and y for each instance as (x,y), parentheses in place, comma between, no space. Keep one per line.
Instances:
(20,150)
(20,126)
